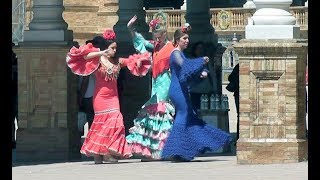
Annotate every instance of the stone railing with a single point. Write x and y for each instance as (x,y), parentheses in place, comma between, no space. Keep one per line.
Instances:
(175,18)
(227,19)
(224,20)
(230,19)
(235,19)
(301,15)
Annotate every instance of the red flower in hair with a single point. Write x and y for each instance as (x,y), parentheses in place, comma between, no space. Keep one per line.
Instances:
(186,28)
(109,34)
(154,23)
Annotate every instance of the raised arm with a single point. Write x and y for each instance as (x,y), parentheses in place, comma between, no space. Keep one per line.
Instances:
(130,23)
(96,54)
(139,42)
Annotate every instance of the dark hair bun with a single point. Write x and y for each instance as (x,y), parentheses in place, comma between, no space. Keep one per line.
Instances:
(99,42)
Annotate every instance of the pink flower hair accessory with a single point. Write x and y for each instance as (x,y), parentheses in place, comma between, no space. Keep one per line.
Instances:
(154,23)
(109,34)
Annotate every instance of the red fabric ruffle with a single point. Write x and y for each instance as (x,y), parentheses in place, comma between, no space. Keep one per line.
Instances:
(156,108)
(107,133)
(137,148)
(78,64)
(138,64)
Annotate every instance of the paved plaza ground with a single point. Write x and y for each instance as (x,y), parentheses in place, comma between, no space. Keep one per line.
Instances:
(215,167)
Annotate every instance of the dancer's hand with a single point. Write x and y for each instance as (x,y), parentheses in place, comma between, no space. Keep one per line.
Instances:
(204,74)
(138,64)
(206,59)
(132,20)
(105,52)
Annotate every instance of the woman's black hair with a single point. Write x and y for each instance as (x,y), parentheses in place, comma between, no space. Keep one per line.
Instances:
(100,42)
(177,35)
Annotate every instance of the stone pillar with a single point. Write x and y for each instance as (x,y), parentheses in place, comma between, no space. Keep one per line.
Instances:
(47,105)
(306,4)
(272,87)
(134,91)
(272,101)
(198,16)
(107,14)
(127,9)
(48,24)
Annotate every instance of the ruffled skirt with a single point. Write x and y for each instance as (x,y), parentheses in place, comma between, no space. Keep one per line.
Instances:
(188,141)
(107,136)
(154,121)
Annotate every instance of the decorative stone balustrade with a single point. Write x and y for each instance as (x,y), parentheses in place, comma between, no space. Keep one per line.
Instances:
(235,18)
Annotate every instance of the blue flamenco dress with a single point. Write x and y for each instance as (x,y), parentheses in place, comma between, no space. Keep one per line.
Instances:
(190,135)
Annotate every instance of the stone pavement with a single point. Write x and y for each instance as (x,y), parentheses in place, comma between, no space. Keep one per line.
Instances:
(217,167)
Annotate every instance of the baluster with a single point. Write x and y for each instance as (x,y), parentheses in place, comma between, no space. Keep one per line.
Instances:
(232,19)
(183,19)
(300,18)
(215,20)
(236,18)
(241,20)
(173,20)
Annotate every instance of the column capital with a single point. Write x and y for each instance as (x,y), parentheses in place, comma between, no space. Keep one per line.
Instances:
(48,24)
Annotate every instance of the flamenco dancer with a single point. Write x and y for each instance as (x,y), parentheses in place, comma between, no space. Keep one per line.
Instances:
(154,120)
(106,140)
(190,136)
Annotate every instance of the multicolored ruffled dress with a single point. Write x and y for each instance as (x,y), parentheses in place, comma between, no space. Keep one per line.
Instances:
(154,121)
(107,133)
(190,135)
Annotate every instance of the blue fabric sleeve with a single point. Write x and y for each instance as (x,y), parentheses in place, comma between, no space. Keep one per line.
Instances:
(140,44)
(188,69)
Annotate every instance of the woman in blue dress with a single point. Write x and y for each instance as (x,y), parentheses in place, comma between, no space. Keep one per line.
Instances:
(189,136)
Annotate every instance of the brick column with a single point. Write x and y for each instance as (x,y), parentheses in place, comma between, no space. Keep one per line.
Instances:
(47,116)
(272,101)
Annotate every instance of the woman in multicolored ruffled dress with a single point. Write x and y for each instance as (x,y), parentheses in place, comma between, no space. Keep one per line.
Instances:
(154,121)
(106,140)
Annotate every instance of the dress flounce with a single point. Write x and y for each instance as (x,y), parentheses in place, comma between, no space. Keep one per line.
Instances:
(78,64)
(139,64)
(107,134)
